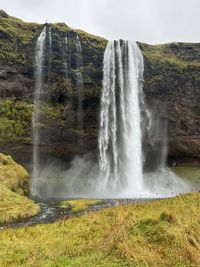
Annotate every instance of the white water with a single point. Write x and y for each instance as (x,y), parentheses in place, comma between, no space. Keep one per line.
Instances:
(123,112)
(50,52)
(120,132)
(79,82)
(68,52)
(39,59)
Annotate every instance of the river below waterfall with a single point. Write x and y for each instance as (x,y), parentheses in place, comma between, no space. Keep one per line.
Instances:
(52,212)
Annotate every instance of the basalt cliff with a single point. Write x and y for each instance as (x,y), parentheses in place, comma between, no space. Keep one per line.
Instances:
(171,89)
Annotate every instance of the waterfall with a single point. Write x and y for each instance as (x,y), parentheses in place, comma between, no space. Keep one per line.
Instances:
(50,52)
(39,60)
(120,136)
(79,81)
(125,121)
(68,52)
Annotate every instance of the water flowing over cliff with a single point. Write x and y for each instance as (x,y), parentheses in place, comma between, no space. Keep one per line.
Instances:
(70,107)
(120,137)
(79,82)
(125,120)
(39,60)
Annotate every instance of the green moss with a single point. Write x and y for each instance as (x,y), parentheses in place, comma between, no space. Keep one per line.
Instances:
(18,38)
(15,120)
(172,56)
(51,112)
(62,27)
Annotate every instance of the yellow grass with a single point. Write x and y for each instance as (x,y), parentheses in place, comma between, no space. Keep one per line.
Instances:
(77,205)
(161,233)
(14,207)
(12,174)
(13,182)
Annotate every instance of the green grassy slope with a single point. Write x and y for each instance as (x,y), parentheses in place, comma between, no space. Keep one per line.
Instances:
(14,205)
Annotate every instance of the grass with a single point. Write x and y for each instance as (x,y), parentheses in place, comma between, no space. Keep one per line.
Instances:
(17,37)
(12,175)
(13,185)
(14,207)
(79,204)
(164,54)
(161,233)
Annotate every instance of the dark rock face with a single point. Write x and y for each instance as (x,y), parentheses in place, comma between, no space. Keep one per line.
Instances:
(14,82)
(172,82)
(171,86)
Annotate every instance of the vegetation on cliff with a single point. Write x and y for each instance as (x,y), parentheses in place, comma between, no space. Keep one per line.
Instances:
(161,233)
(15,120)
(171,82)
(16,37)
(62,64)
(171,87)
(14,205)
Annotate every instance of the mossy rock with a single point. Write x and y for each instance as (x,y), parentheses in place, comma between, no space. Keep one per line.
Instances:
(15,120)
(12,174)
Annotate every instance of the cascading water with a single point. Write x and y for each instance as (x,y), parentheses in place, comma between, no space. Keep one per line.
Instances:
(79,81)
(123,116)
(50,52)
(68,52)
(39,60)
(125,121)
(120,135)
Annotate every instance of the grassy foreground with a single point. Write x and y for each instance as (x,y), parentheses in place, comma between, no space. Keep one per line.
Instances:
(160,233)
(13,185)
(77,205)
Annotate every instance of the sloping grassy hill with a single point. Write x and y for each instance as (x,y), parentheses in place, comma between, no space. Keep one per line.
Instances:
(161,233)
(13,185)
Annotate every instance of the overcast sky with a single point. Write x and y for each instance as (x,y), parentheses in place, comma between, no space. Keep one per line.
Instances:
(151,21)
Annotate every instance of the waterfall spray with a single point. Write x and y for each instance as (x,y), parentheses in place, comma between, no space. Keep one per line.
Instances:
(39,60)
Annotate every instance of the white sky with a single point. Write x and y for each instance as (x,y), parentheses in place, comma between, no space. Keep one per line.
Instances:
(151,21)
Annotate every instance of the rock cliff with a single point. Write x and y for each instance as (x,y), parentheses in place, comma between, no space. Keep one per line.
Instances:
(171,87)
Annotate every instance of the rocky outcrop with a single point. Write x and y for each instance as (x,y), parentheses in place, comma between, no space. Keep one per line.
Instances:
(171,87)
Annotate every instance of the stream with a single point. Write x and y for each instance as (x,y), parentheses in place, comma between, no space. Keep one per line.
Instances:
(51,212)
